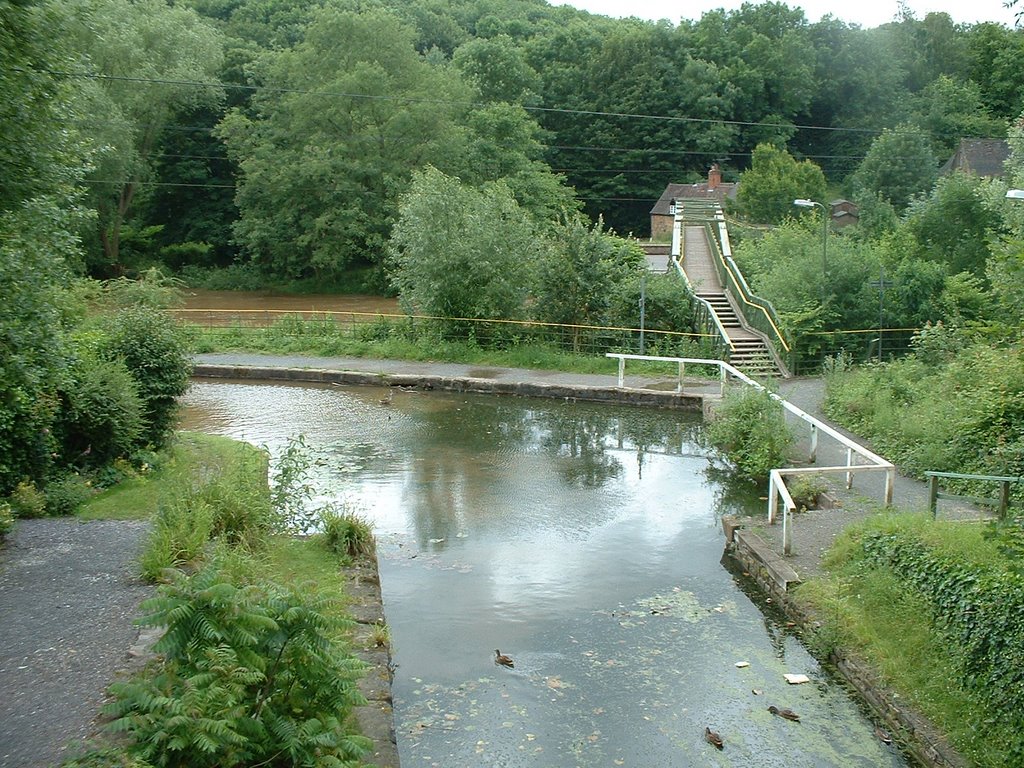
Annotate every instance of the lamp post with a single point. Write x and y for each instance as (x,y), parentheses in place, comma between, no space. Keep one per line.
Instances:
(804,203)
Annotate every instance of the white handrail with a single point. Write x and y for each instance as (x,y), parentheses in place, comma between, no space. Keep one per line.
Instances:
(777,483)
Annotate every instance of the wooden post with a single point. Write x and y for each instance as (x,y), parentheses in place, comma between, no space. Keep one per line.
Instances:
(849,463)
(787,544)
(890,485)
(1004,498)
(814,444)
(773,500)
(679,385)
(933,495)
(622,372)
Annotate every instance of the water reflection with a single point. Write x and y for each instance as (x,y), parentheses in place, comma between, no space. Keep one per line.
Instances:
(580,539)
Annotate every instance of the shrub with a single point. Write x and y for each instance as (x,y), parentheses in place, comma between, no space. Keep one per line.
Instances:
(27,501)
(154,349)
(65,495)
(346,533)
(102,417)
(6,519)
(181,530)
(805,490)
(251,676)
(750,428)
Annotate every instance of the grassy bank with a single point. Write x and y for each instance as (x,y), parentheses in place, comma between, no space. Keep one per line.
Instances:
(901,608)
(483,343)
(255,666)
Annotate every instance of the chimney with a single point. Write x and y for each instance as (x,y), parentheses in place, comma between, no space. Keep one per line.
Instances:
(714,177)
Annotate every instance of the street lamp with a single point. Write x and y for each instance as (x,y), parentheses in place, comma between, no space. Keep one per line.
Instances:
(1015,194)
(804,203)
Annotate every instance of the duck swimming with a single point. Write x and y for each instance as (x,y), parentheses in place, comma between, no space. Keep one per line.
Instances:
(713,739)
(503,660)
(788,714)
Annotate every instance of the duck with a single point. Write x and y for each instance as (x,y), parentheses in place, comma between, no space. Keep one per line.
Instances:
(713,738)
(503,660)
(788,714)
(883,735)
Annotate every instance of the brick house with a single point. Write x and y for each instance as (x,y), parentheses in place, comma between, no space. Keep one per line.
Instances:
(663,212)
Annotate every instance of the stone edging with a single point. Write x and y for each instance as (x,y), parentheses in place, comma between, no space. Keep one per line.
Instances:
(915,735)
(625,396)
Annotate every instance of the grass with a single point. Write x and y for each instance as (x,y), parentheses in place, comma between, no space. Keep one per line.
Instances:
(870,612)
(392,341)
(137,498)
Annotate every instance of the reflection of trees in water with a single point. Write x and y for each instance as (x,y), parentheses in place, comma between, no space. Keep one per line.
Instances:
(734,496)
(576,437)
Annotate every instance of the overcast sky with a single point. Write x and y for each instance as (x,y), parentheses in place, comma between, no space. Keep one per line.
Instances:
(866,13)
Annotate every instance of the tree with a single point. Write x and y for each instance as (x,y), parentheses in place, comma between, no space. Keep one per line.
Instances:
(767,191)
(41,160)
(953,225)
(147,60)
(899,165)
(580,273)
(460,252)
(948,110)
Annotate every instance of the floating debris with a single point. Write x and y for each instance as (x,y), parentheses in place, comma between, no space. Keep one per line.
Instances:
(742,664)
(793,679)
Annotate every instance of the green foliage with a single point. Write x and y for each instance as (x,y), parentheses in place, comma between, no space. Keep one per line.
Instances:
(964,416)
(27,501)
(978,611)
(953,225)
(805,490)
(6,519)
(251,675)
(155,351)
(774,181)
(67,494)
(580,274)
(749,427)
(458,252)
(346,533)
(899,165)
(101,416)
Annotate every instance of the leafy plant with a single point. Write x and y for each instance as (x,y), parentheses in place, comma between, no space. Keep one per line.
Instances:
(65,495)
(252,675)
(805,490)
(346,533)
(6,519)
(27,500)
(750,428)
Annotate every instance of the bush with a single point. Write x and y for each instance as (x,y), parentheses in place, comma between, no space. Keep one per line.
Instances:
(805,490)
(346,533)
(251,676)
(181,530)
(27,501)
(66,495)
(750,428)
(102,417)
(6,519)
(155,351)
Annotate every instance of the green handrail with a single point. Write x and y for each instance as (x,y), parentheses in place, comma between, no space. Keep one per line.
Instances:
(758,312)
(1001,504)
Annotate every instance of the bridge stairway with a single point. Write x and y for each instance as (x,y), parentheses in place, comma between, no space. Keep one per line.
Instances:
(750,353)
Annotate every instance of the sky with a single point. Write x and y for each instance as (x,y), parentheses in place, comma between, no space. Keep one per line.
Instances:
(866,13)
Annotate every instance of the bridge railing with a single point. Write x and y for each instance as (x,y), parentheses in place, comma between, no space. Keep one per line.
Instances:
(757,312)
(858,458)
(705,319)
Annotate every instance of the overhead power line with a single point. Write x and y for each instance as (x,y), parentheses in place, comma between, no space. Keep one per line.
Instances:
(456,102)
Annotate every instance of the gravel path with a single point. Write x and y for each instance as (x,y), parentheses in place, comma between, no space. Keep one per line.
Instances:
(68,596)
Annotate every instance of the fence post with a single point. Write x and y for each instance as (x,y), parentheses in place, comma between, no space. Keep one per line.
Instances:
(679,386)
(1004,498)
(933,495)
(890,485)
(814,444)
(849,463)
(622,372)
(773,500)
(787,544)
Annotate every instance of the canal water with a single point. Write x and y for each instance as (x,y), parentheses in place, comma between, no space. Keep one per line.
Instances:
(582,540)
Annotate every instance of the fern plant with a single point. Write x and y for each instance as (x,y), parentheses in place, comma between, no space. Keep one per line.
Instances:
(252,675)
